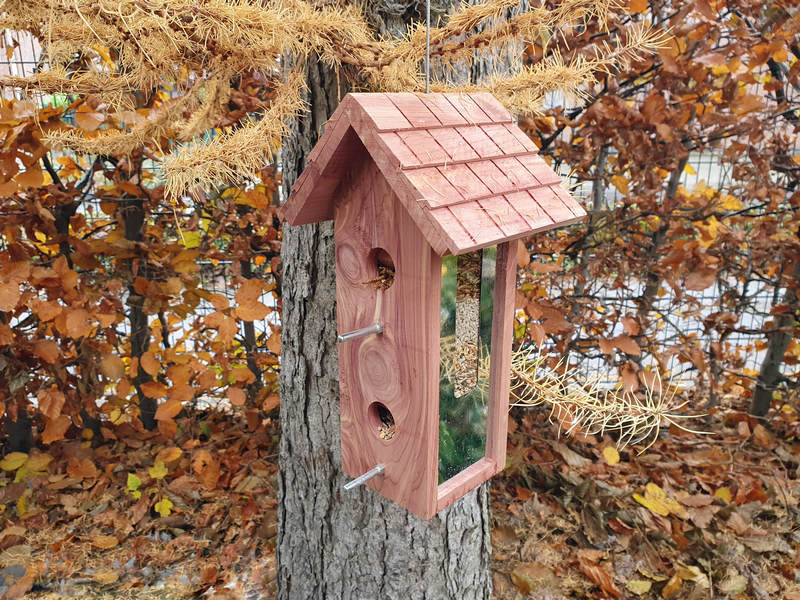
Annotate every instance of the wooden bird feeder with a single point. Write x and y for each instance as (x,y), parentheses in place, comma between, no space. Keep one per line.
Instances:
(429,195)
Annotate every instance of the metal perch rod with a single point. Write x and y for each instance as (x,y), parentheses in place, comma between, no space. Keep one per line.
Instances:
(351,335)
(361,479)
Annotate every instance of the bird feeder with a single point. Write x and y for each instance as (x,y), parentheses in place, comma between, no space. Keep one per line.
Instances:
(429,195)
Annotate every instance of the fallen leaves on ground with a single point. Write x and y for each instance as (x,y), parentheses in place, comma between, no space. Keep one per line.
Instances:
(693,517)
(135,514)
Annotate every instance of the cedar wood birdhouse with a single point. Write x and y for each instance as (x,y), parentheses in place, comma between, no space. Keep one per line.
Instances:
(429,194)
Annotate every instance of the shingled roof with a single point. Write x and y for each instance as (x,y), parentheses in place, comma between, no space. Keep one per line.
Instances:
(466,173)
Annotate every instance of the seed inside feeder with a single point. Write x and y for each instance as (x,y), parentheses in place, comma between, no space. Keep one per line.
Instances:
(468,312)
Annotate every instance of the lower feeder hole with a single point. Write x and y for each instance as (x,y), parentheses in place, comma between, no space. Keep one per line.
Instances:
(381,421)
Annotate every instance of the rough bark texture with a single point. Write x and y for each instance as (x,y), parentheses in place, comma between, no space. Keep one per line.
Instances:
(133,220)
(333,544)
(769,375)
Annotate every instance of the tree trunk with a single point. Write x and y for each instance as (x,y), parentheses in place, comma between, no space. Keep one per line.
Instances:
(334,544)
(133,220)
(769,375)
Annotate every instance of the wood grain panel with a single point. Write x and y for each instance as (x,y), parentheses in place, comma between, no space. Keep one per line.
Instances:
(382,111)
(502,338)
(399,368)
(462,239)
(529,210)
(454,144)
(434,187)
(516,172)
(467,107)
(464,180)
(480,142)
(522,138)
(493,109)
(492,177)
(424,146)
(470,478)
(443,109)
(398,147)
(504,216)
(539,169)
(568,201)
(414,110)
(551,204)
(500,135)
(479,225)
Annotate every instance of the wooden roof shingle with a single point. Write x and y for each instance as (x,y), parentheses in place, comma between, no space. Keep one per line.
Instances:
(466,173)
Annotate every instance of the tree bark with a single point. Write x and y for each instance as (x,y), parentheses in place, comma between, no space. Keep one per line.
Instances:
(769,375)
(334,544)
(133,215)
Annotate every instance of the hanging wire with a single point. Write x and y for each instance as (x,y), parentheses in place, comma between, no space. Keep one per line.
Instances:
(428,46)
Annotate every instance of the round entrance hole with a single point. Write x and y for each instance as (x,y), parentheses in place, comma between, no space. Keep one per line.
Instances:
(381,421)
(382,265)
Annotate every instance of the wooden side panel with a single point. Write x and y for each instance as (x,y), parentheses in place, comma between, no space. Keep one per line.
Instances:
(502,338)
(499,383)
(466,481)
(399,368)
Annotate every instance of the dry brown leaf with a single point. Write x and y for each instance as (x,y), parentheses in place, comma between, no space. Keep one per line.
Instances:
(47,350)
(672,587)
(82,468)
(9,296)
(168,410)
(104,542)
(55,429)
(600,577)
(105,577)
(572,458)
(112,366)
(149,363)
(236,396)
(51,401)
(252,311)
(167,455)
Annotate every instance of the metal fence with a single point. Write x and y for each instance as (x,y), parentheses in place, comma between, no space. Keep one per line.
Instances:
(679,320)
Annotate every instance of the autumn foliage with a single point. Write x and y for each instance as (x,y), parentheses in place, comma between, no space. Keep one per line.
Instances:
(105,315)
(140,278)
(660,250)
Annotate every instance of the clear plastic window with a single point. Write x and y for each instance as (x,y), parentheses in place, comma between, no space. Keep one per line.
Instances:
(465,345)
